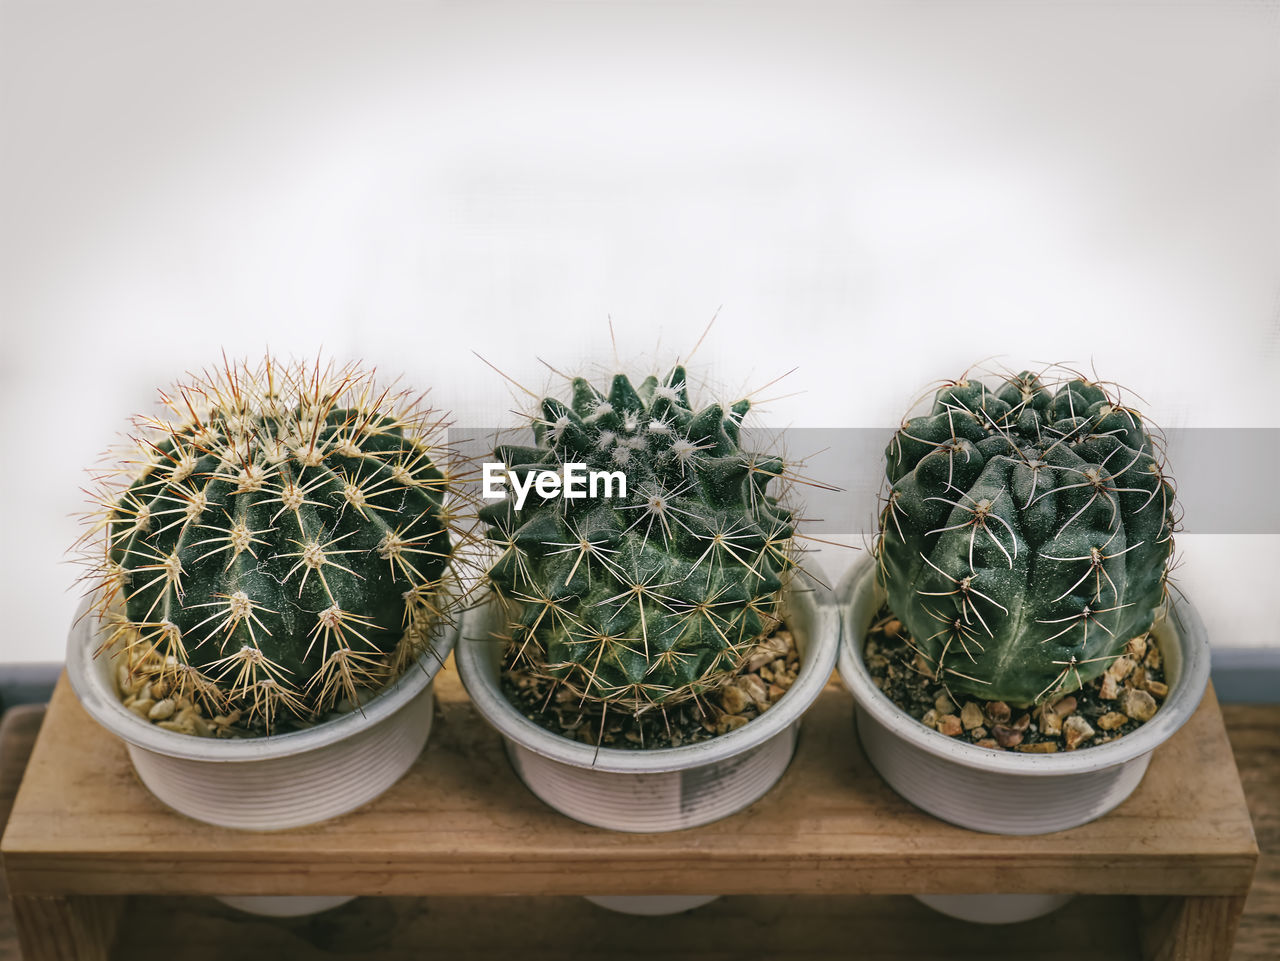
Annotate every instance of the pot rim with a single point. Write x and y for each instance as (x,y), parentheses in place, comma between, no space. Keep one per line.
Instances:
(816,665)
(1181,623)
(96,691)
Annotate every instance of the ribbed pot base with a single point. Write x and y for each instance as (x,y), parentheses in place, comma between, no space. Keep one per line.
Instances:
(994,802)
(659,801)
(284,905)
(650,904)
(994,908)
(286,792)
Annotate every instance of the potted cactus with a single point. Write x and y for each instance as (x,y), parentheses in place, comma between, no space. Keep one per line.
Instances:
(275,568)
(1023,558)
(636,617)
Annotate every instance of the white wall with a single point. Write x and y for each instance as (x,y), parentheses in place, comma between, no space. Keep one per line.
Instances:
(879,195)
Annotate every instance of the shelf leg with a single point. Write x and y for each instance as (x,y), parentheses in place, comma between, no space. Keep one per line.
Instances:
(1189,928)
(66,928)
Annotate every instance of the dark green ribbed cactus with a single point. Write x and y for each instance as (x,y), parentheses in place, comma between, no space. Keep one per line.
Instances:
(277,543)
(1026,534)
(655,597)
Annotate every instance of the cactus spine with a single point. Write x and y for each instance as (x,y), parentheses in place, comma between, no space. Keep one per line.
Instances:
(650,599)
(1026,534)
(277,543)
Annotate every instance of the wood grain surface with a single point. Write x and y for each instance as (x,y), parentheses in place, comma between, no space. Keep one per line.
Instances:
(1255,741)
(460,823)
(811,927)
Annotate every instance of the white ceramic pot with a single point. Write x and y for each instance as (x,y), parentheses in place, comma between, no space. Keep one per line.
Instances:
(1009,792)
(285,905)
(994,908)
(266,783)
(662,789)
(650,905)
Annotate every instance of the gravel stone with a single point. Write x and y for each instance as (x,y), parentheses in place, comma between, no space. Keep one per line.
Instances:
(1112,720)
(734,699)
(1039,747)
(950,725)
(1075,731)
(1139,705)
(908,680)
(1007,736)
(1110,689)
(1121,667)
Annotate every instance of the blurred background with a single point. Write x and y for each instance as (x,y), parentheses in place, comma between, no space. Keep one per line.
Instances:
(875,195)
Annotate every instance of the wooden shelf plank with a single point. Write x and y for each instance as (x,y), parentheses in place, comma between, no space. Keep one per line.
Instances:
(1255,739)
(460,823)
(66,928)
(1190,929)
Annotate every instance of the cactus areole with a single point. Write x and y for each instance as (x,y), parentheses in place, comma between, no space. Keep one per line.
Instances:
(658,592)
(1025,536)
(277,544)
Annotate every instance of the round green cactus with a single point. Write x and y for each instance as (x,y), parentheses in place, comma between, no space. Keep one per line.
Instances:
(277,543)
(1026,534)
(654,597)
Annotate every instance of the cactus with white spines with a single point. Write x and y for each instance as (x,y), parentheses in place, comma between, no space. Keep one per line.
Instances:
(643,601)
(1026,534)
(277,543)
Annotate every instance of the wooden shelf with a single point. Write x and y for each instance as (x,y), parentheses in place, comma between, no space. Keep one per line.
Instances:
(460,826)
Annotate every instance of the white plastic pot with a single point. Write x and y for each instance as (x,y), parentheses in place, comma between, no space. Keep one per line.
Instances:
(285,905)
(650,905)
(994,908)
(266,783)
(1004,792)
(661,789)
